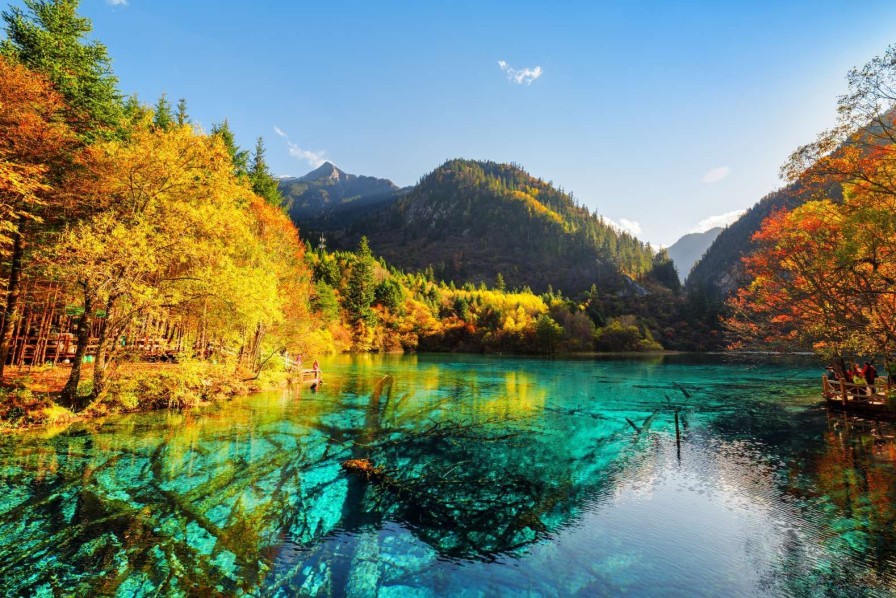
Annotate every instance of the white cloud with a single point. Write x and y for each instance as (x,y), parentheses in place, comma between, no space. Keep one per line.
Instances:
(719,220)
(117,2)
(624,225)
(630,226)
(314,158)
(520,76)
(716,174)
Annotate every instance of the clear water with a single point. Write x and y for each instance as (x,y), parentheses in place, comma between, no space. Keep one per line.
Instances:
(495,476)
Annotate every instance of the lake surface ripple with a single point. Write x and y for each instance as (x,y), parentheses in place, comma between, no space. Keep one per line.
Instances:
(488,476)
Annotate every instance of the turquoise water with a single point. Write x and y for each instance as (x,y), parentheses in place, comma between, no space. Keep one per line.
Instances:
(493,476)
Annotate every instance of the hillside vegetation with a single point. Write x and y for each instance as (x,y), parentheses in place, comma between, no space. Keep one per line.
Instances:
(470,221)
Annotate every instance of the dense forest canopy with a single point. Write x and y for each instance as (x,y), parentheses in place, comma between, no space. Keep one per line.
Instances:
(122,221)
(472,220)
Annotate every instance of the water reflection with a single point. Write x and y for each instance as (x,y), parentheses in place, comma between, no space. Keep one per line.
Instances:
(486,475)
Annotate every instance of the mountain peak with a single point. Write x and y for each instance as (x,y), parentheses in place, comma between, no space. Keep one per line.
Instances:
(326,171)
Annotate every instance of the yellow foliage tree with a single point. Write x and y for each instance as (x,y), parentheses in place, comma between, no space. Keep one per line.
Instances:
(174,235)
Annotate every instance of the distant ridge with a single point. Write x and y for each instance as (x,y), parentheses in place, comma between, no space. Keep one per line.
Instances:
(687,250)
(719,272)
(328,198)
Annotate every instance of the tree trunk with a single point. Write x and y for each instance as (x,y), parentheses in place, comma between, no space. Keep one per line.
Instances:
(100,363)
(255,352)
(12,296)
(107,344)
(69,395)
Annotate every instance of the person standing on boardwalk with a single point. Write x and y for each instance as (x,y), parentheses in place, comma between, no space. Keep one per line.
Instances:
(869,373)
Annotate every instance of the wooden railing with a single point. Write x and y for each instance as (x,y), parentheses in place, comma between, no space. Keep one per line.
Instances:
(850,392)
(310,376)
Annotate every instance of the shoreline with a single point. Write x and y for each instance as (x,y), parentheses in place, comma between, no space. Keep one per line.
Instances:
(28,399)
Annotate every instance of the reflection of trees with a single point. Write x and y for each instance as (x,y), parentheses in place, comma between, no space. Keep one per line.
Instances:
(467,483)
(465,487)
(855,476)
(475,466)
(839,482)
(124,512)
(233,500)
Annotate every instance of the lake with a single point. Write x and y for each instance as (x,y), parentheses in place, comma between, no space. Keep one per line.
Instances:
(474,476)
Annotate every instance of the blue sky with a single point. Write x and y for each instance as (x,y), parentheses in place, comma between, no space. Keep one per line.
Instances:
(659,115)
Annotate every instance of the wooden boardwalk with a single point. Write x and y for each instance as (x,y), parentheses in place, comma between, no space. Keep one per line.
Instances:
(301,375)
(862,399)
(310,376)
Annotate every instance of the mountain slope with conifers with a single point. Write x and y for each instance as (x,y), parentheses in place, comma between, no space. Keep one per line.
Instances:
(472,220)
(720,271)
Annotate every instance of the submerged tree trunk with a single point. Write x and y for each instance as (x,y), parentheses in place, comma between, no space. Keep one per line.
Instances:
(69,395)
(13,290)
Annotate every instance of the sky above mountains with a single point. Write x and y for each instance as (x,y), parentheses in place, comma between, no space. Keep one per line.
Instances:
(664,117)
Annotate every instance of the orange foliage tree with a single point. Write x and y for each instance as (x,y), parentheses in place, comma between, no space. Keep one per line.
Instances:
(174,236)
(824,274)
(36,147)
(861,147)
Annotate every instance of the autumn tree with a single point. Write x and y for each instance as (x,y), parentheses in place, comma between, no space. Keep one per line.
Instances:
(174,238)
(824,274)
(36,147)
(861,147)
(48,36)
(289,326)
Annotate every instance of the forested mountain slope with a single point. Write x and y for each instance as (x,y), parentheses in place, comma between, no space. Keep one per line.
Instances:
(471,221)
(719,271)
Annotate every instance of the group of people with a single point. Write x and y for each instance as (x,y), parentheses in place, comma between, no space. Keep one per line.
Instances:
(857,374)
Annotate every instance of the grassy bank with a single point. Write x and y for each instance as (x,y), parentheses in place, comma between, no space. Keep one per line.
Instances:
(29,397)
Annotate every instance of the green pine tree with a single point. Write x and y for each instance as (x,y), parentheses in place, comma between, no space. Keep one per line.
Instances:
(162,117)
(664,271)
(361,285)
(263,182)
(182,116)
(239,157)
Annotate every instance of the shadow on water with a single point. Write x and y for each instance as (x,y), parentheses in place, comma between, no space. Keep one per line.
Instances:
(457,465)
